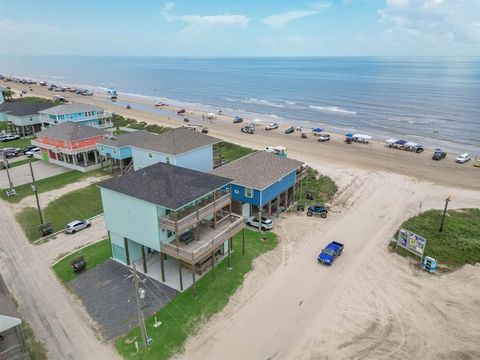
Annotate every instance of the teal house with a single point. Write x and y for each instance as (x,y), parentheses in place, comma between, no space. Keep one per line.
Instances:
(78,113)
(263,183)
(174,223)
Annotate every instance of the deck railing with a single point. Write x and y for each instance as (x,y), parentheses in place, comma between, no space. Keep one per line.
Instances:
(192,254)
(302,173)
(190,216)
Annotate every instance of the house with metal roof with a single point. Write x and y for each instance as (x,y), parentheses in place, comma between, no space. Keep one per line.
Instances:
(263,183)
(182,147)
(80,113)
(170,221)
(71,145)
(23,115)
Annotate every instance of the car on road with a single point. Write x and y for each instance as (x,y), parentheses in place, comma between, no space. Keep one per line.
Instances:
(317,209)
(11,152)
(33,152)
(77,225)
(330,252)
(463,158)
(290,130)
(10,137)
(439,154)
(237,120)
(267,223)
(272,126)
(28,148)
(323,137)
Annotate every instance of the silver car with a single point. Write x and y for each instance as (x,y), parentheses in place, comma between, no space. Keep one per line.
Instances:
(77,225)
(267,224)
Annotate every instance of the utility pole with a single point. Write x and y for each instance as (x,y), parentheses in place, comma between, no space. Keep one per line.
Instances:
(141,319)
(447,200)
(34,188)
(11,190)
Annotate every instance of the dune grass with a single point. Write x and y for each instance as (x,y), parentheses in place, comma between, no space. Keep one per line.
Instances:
(322,187)
(184,315)
(79,204)
(230,152)
(459,242)
(94,255)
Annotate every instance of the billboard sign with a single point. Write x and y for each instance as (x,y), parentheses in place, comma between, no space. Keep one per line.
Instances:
(411,242)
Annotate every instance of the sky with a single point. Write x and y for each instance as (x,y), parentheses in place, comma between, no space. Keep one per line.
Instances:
(240,28)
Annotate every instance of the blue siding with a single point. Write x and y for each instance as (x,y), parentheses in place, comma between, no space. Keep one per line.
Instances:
(200,159)
(115,153)
(270,193)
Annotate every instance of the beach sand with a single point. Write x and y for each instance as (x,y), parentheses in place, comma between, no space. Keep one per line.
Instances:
(371,304)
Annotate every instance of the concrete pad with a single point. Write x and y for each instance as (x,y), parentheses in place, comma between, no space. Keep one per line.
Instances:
(21,174)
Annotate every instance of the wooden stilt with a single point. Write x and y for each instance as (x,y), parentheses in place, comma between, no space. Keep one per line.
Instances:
(144,260)
(229,253)
(194,287)
(243,242)
(127,254)
(162,267)
(180,275)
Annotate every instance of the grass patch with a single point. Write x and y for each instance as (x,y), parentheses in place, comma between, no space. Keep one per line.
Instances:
(120,121)
(320,186)
(48,184)
(20,143)
(79,204)
(36,349)
(459,242)
(230,152)
(184,315)
(94,255)
(20,162)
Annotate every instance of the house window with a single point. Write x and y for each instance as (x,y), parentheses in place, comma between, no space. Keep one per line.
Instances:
(248,192)
(169,233)
(167,159)
(149,155)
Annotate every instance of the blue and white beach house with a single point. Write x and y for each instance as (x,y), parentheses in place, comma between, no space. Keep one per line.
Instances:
(263,183)
(173,222)
(78,113)
(179,146)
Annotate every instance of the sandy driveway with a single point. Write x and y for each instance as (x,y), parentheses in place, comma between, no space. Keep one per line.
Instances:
(369,305)
(21,174)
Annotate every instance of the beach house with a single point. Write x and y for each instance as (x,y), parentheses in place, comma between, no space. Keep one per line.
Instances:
(78,113)
(179,146)
(263,183)
(117,150)
(22,115)
(71,145)
(173,222)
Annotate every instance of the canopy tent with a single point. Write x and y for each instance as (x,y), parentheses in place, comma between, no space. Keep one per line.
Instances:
(8,322)
(317,129)
(400,142)
(412,144)
(362,136)
(349,135)
(391,141)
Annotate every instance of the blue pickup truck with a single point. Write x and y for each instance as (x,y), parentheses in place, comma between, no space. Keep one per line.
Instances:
(330,252)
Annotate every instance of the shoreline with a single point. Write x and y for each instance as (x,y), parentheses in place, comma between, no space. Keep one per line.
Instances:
(328,157)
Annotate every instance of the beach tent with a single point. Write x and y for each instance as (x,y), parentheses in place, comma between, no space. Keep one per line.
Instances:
(361,136)
(317,129)
(400,142)
(349,135)
(391,141)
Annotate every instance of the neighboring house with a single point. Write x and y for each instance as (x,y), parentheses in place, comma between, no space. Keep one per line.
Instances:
(23,115)
(78,113)
(118,149)
(171,220)
(262,182)
(12,344)
(2,99)
(71,145)
(180,146)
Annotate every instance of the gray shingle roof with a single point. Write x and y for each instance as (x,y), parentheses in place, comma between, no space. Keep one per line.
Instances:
(258,170)
(69,109)
(133,138)
(70,131)
(166,185)
(178,141)
(20,108)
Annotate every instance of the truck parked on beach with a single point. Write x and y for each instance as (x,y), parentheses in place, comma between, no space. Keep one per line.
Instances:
(330,252)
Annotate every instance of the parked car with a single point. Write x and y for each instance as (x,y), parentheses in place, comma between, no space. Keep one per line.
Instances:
(11,152)
(330,252)
(77,225)
(317,209)
(267,223)
(28,148)
(439,154)
(463,158)
(10,137)
(272,126)
(34,151)
(237,120)
(323,137)
(290,130)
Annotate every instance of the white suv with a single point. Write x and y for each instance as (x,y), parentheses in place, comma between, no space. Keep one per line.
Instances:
(463,158)
(267,224)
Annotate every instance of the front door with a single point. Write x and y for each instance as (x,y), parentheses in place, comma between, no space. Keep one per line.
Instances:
(45,155)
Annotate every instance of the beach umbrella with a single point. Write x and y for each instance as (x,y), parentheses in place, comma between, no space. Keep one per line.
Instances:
(349,135)
(317,129)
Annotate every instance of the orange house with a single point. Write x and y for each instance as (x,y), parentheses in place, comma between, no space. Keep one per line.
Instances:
(71,145)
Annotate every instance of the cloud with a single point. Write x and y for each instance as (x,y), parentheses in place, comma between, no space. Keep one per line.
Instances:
(214,20)
(432,20)
(280,20)
(168,6)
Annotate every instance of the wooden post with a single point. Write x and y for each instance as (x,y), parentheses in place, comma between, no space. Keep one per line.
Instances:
(197,229)
(269,209)
(121,166)
(127,254)
(177,236)
(194,288)
(180,274)
(162,266)
(213,260)
(243,242)
(260,211)
(229,252)
(278,205)
(144,260)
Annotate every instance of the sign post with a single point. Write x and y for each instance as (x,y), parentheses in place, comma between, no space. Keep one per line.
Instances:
(411,242)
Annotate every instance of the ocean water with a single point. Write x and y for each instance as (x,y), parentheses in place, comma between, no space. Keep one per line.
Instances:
(434,101)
